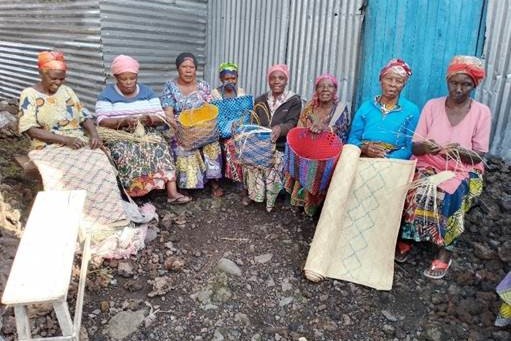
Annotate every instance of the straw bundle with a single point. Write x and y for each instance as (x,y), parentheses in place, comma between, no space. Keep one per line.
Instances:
(139,135)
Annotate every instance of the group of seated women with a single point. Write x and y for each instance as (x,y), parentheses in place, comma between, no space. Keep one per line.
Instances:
(451,133)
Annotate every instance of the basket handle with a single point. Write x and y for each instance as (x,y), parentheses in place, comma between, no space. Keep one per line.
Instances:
(265,109)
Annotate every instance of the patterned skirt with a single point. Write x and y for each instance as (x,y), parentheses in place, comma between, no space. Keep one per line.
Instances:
(264,185)
(232,169)
(142,166)
(194,168)
(438,216)
(504,291)
(301,197)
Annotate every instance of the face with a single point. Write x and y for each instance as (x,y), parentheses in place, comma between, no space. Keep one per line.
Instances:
(51,80)
(127,82)
(326,90)
(392,84)
(229,78)
(460,86)
(187,71)
(277,82)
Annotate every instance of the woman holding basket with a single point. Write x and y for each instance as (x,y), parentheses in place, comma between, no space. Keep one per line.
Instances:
(279,110)
(324,112)
(194,167)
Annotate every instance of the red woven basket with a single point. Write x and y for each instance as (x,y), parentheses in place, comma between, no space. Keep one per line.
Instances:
(311,146)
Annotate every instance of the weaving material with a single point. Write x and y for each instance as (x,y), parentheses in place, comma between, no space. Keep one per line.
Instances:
(230,110)
(356,234)
(65,169)
(253,145)
(311,158)
(197,126)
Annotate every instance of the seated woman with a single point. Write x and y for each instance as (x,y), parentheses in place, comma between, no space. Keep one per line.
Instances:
(142,166)
(383,127)
(228,74)
(195,167)
(283,108)
(51,114)
(453,135)
(324,112)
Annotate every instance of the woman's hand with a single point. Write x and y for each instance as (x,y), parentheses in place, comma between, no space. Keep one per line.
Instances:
(95,142)
(127,122)
(430,147)
(74,142)
(318,127)
(275,133)
(371,149)
(148,120)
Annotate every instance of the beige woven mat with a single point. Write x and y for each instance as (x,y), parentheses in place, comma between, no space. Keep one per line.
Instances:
(356,234)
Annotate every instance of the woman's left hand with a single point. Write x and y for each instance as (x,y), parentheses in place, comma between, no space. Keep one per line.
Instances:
(275,133)
(318,127)
(95,142)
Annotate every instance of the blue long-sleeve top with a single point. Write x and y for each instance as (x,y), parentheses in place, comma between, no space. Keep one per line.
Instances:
(396,127)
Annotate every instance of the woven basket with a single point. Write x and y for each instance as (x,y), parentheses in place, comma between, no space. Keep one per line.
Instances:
(252,141)
(197,126)
(230,110)
(311,158)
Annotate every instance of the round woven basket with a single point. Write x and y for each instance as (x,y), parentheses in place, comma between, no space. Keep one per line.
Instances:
(311,158)
(197,126)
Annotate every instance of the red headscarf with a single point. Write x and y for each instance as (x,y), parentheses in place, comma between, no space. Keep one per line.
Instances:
(51,60)
(398,66)
(468,65)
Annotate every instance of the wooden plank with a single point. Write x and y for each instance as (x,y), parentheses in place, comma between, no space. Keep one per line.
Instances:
(65,322)
(41,270)
(81,284)
(22,322)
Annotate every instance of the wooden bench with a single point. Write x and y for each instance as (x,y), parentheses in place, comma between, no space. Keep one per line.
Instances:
(41,271)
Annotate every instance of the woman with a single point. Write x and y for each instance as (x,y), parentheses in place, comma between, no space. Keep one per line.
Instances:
(452,135)
(277,109)
(383,127)
(324,112)
(52,116)
(228,74)
(504,290)
(142,166)
(195,167)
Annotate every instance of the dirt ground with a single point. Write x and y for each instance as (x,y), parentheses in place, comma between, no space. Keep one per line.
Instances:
(174,290)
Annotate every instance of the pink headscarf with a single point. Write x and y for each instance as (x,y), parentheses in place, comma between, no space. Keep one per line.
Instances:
(397,66)
(123,63)
(315,99)
(278,67)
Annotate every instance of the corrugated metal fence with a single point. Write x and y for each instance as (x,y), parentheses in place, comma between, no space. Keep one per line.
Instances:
(91,33)
(496,89)
(312,37)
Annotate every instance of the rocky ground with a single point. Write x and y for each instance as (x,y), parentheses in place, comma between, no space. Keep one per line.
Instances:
(215,270)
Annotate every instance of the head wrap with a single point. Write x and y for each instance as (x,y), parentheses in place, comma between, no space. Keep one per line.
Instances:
(51,60)
(278,67)
(185,56)
(315,97)
(469,65)
(397,66)
(123,63)
(228,68)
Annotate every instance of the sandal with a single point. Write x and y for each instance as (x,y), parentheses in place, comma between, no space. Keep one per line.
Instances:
(403,250)
(180,200)
(438,269)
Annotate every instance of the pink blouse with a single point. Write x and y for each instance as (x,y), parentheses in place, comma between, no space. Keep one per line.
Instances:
(472,133)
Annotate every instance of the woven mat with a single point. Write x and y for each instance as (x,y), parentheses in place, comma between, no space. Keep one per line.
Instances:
(356,234)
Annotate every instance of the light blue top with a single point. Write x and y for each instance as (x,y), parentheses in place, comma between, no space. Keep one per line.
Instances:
(395,128)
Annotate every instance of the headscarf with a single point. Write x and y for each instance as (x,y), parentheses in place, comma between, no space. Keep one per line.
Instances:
(278,67)
(228,68)
(397,66)
(185,56)
(315,97)
(123,63)
(469,65)
(51,60)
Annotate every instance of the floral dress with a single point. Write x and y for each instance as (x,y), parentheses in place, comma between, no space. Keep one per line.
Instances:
(193,167)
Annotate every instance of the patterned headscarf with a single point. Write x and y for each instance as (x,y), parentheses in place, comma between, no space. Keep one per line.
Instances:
(228,68)
(123,63)
(278,67)
(51,60)
(315,97)
(185,56)
(397,66)
(469,65)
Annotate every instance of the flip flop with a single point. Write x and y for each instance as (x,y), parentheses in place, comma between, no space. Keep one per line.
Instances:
(402,251)
(183,199)
(439,267)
